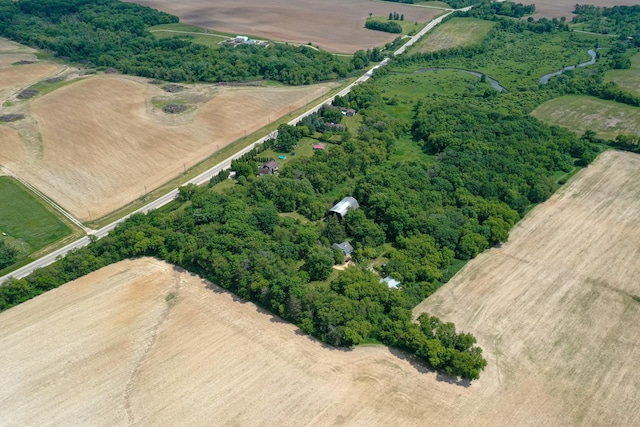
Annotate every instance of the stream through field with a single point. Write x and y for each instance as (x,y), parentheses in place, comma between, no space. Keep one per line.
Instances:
(494,83)
(545,79)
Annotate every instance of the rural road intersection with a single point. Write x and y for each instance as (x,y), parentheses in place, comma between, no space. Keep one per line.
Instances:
(206,176)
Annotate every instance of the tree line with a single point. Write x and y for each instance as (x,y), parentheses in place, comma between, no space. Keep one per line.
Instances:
(111,33)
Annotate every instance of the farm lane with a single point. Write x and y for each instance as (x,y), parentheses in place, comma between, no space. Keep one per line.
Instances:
(208,174)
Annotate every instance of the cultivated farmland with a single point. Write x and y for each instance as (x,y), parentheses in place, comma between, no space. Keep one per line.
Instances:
(579,113)
(457,32)
(556,9)
(333,25)
(13,77)
(557,308)
(553,309)
(100,143)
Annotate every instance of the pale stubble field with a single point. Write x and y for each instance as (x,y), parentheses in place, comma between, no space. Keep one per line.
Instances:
(554,309)
(97,144)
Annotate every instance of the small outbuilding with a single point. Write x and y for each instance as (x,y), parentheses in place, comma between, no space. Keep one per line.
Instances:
(342,207)
(350,112)
(391,282)
(268,168)
(241,39)
(344,247)
(319,146)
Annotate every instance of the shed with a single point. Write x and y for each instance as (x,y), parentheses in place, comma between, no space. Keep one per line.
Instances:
(270,167)
(344,247)
(391,282)
(342,207)
(319,146)
(350,112)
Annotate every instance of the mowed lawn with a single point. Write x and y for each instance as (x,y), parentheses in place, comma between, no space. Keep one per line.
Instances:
(627,79)
(456,32)
(23,216)
(579,113)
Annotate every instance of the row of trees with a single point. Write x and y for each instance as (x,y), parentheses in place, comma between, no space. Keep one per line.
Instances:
(386,26)
(110,33)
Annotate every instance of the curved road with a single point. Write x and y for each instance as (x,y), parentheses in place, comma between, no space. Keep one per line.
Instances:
(206,176)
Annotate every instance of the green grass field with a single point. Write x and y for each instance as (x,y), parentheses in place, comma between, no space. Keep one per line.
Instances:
(627,79)
(402,91)
(579,113)
(26,219)
(189,32)
(456,32)
(518,60)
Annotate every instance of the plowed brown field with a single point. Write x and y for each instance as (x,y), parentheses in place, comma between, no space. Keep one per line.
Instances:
(140,342)
(334,25)
(102,141)
(559,8)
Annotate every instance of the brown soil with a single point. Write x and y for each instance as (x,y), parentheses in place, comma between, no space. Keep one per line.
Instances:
(334,25)
(554,309)
(98,142)
(20,76)
(557,9)
(143,343)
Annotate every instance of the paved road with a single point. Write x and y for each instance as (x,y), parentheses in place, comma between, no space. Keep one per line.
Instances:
(206,176)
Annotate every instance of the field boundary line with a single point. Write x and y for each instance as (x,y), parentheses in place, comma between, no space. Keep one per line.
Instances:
(48,201)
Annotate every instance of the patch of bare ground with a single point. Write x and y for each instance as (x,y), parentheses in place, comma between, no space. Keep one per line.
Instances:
(554,308)
(19,76)
(334,25)
(143,343)
(557,9)
(102,141)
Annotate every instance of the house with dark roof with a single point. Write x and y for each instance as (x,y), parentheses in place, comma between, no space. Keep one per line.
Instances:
(342,207)
(270,167)
(344,247)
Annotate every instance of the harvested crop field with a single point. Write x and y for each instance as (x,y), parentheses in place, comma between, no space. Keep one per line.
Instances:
(554,307)
(15,76)
(579,113)
(103,141)
(456,32)
(145,343)
(333,25)
(557,9)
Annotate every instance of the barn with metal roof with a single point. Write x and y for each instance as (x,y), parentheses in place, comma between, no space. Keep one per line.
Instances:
(342,207)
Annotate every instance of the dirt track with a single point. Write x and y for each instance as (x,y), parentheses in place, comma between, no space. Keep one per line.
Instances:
(552,309)
(334,25)
(93,146)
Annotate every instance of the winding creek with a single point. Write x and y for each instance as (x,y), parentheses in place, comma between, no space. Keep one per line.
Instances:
(592,53)
(494,83)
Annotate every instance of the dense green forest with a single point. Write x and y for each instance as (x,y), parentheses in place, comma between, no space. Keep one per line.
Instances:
(480,162)
(623,21)
(110,33)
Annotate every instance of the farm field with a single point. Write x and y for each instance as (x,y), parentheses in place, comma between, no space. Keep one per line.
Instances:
(553,310)
(456,32)
(14,77)
(118,145)
(579,113)
(557,9)
(627,79)
(25,219)
(333,25)
(556,308)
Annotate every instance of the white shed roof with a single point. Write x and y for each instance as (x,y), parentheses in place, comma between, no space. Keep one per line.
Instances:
(344,205)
